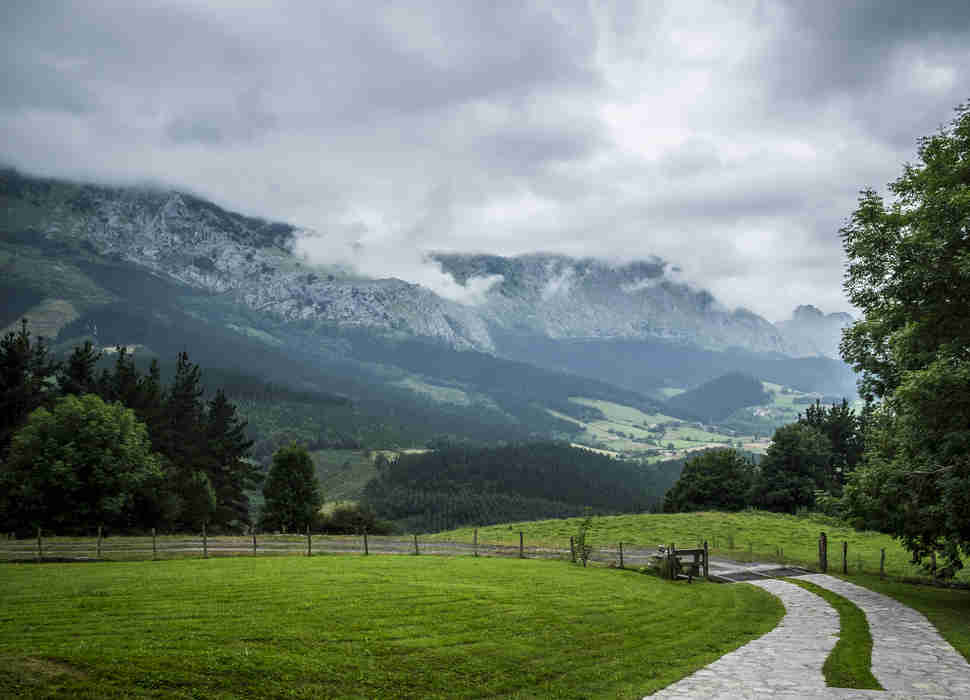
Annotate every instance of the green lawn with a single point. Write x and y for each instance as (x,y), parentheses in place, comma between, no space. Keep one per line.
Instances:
(361,627)
(750,534)
(849,663)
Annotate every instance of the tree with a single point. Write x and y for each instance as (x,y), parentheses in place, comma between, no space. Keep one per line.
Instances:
(844,429)
(77,375)
(713,480)
(85,462)
(909,272)
(794,467)
(292,491)
(225,450)
(27,380)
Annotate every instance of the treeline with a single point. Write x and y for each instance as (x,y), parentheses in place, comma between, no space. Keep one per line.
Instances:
(806,466)
(461,485)
(203,472)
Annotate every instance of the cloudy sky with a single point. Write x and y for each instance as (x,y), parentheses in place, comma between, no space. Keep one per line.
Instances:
(730,138)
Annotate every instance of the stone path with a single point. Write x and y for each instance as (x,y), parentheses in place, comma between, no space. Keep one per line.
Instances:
(908,655)
(909,658)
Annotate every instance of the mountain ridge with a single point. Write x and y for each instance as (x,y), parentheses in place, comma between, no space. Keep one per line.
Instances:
(194,242)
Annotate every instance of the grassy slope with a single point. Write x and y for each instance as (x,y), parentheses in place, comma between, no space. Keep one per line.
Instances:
(849,663)
(754,534)
(361,627)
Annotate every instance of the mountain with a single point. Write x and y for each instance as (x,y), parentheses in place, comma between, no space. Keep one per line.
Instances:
(812,332)
(169,270)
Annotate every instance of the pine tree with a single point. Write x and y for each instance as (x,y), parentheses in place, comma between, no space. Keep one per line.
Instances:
(225,450)
(27,374)
(78,375)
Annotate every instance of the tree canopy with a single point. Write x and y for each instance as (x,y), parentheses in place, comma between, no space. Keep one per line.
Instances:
(83,462)
(713,480)
(909,272)
(292,491)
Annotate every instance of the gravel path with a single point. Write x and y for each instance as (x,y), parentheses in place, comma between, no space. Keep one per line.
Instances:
(910,659)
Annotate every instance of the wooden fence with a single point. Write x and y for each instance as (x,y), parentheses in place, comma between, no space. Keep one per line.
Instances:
(45,547)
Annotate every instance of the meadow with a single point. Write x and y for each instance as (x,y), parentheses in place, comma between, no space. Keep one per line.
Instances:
(741,536)
(361,627)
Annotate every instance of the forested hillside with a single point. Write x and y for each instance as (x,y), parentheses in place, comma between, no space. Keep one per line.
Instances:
(719,398)
(458,485)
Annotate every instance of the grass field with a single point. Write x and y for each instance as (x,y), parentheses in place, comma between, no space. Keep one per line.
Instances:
(361,627)
(750,534)
(849,664)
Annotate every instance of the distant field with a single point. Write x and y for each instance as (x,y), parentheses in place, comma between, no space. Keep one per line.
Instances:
(361,627)
(736,535)
(625,430)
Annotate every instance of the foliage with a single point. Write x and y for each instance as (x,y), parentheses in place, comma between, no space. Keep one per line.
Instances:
(719,398)
(713,480)
(84,462)
(582,547)
(369,627)
(457,485)
(291,492)
(845,432)
(353,519)
(909,272)
(793,468)
(27,374)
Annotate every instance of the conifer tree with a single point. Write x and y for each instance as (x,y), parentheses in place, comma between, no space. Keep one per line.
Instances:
(27,373)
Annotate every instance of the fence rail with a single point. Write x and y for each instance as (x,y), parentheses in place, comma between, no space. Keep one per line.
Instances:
(123,547)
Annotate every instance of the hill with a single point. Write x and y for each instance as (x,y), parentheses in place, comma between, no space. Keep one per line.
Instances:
(457,485)
(719,398)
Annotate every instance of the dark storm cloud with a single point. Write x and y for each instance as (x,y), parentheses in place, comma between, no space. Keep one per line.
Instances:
(730,138)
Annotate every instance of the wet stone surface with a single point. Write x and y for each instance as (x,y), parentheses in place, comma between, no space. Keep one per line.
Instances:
(910,659)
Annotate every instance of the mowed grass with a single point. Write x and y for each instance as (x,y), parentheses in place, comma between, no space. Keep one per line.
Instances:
(361,627)
(746,535)
(849,665)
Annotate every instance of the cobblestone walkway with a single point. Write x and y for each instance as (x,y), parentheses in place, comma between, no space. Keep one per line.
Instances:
(909,658)
(908,655)
(785,663)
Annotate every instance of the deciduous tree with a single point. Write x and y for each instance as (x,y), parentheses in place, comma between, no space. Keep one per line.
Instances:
(909,272)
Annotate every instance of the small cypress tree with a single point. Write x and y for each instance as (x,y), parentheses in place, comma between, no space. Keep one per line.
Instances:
(291,491)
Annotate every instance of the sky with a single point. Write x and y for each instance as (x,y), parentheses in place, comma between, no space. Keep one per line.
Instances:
(730,139)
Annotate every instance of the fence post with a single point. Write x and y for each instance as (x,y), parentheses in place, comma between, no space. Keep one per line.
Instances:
(154,546)
(476,541)
(309,541)
(933,561)
(572,548)
(366,550)
(845,557)
(882,563)
(416,551)
(621,555)
(205,542)
(521,548)
(707,568)
(253,531)
(99,541)
(40,546)
(823,553)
